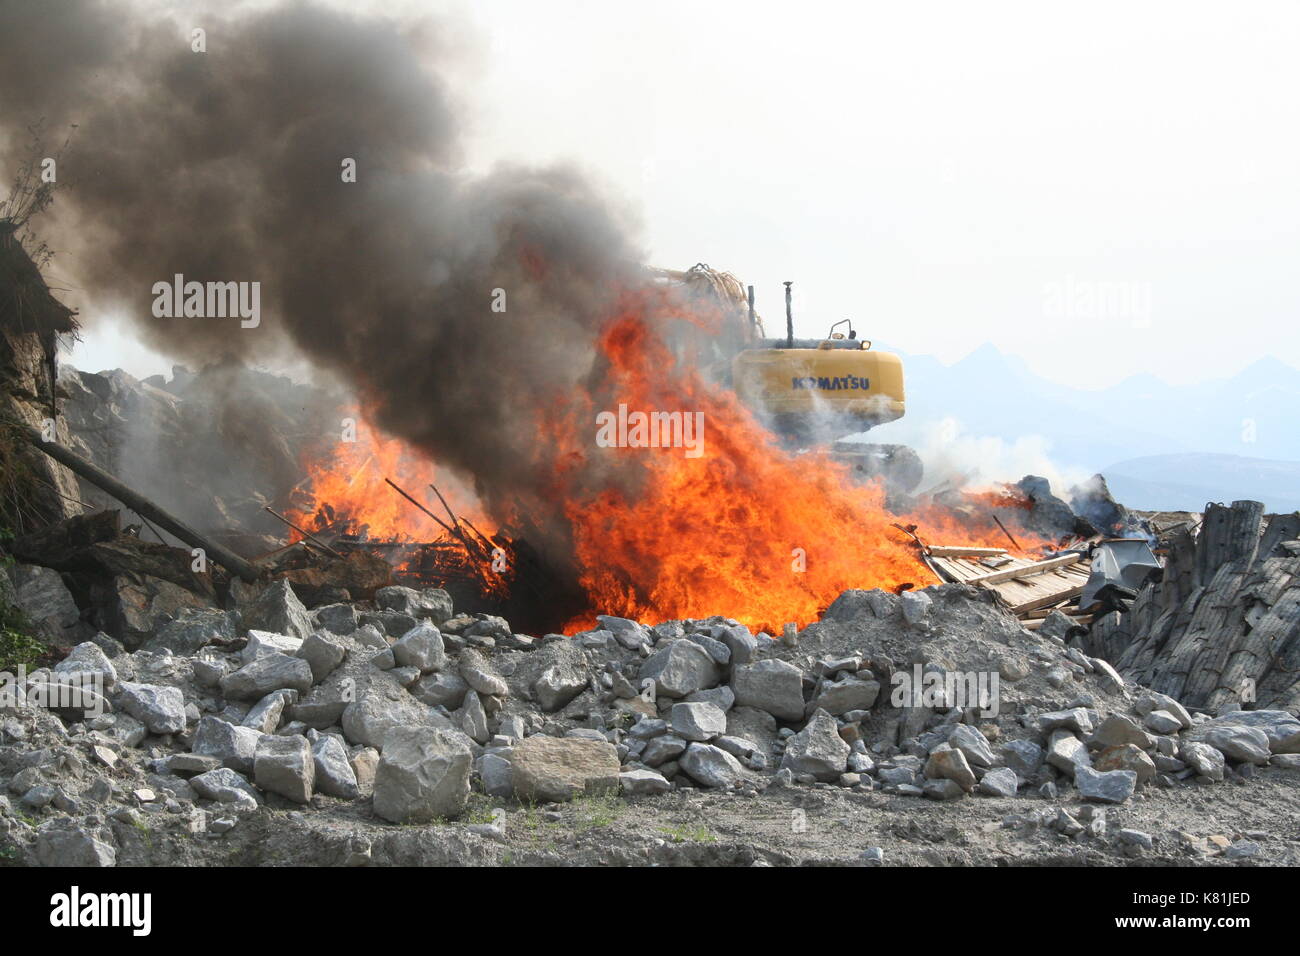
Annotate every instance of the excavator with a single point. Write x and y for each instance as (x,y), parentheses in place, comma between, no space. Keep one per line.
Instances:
(810,392)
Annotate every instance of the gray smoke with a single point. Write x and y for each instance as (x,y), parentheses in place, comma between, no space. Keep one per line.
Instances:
(226,166)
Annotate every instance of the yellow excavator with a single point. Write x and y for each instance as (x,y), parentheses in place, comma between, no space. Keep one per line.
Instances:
(810,392)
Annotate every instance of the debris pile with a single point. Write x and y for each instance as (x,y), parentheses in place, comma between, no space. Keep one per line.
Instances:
(237,707)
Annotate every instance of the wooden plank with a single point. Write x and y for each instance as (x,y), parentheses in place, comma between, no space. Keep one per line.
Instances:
(1038,567)
(1044,601)
(944,551)
(1033,625)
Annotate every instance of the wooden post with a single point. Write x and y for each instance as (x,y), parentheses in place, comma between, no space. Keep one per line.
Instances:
(137,503)
(753,324)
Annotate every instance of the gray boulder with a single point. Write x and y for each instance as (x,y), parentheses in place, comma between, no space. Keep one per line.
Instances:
(423,775)
(269,672)
(285,765)
(711,766)
(277,609)
(680,669)
(698,721)
(818,749)
(233,746)
(774,686)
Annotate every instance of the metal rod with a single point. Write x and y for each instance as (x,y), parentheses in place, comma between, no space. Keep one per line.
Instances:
(1006,532)
(310,537)
(136,502)
(789,317)
(418,505)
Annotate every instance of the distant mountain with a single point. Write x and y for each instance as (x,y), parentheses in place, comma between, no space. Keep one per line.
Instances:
(1250,414)
(1187,482)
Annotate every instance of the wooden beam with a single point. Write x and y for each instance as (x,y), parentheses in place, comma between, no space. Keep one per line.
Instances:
(1049,599)
(137,502)
(1024,571)
(945,551)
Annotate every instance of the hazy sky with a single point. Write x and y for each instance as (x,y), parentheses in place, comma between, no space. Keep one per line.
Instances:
(1101,188)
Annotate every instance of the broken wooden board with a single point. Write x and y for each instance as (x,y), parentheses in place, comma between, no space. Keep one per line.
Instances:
(1026,585)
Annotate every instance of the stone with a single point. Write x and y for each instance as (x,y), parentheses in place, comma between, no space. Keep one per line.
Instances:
(478,674)
(1206,760)
(496,775)
(1113,786)
(1075,719)
(742,644)
(1066,752)
(1001,782)
(334,773)
(441,689)
(421,647)
(337,618)
(942,788)
(274,671)
(563,675)
(1237,741)
(41,595)
(1280,728)
(1117,730)
(266,642)
(161,709)
(711,766)
(553,769)
(433,604)
(1241,850)
(643,783)
(365,764)
(681,668)
(846,694)
(267,713)
(1022,756)
(234,746)
(323,652)
(474,719)
(72,848)
(1162,722)
(369,719)
(90,664)
(660,750)
(1127,757)
(277,609)
(189,764)
(818,749)
(721,697)
(1135,838)
(916,607)
(423,775)
(973,744)
(698,721)
(285,765)
(628,633)
(1150,701)
(950,764)
(223,785)
(774,686)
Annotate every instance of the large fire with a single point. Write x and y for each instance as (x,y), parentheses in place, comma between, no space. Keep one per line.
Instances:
(746,529)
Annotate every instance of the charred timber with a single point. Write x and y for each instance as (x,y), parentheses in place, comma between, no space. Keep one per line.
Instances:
(137,502)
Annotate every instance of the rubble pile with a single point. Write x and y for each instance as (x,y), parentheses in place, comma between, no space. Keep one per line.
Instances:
(255,710)
(1221,629)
